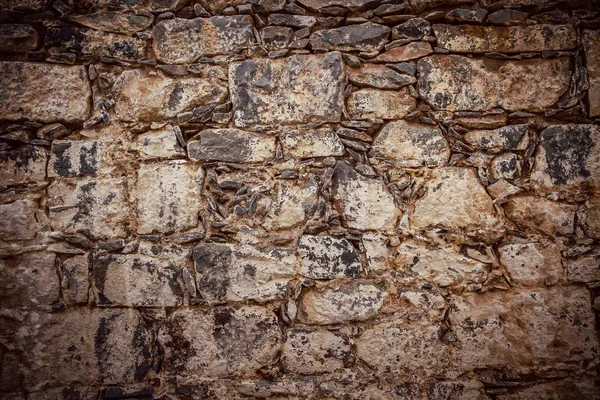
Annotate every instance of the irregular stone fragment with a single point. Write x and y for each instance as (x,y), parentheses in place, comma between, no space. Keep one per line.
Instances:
(297,21)
(157,6)
(219,343)
(380,104)
(19,221)
(87,41)
(560,330)
(143,97)
(131,280)
(160,143)
(326,257)
(564,389)
(96,208)
(532,264)
(44,92)
(317,143)
(26,164)
(296,89)
(70,158)
(23,5)
(181,41)
(485,39)
(303,388)
(567,159)
(411,145)
(410,51)
(541,214)
(231,145)
(507,16)
(379,76)
(376,251)
(440,265)
(168,196)
(491,83)
(505,166)
(310,352)
(29,280)
(511,137)
(445,204)
(502,189)
(276,37)
(466,15)
(413,29)
(226,272)
(75,283)
(591,218)
(364,203)
(584,269)
(293,203)
(353,301)
(349,4)
(591,45)
(127,22)
(18,38)
(367,37)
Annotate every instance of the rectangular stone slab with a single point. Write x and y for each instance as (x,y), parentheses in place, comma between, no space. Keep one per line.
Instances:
(296,89)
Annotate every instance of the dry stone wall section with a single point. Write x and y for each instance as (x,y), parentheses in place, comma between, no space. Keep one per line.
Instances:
(299,199)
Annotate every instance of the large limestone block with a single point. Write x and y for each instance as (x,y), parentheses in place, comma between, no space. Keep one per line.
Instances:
(26,164)
(19,220)
(29,280)
(532,264)
(541,215)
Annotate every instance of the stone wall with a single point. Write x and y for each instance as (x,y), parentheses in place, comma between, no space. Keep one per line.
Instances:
(309,199)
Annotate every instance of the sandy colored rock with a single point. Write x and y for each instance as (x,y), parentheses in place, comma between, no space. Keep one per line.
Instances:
(565,389)
(584,269)
(411,145)
(410,51)
(591,45)
(26,164)
(71,158)
(532,264)
(292,204)
(231,145)
(326,257)
(541,214)
(591,218)
(365,37)
(19,221)
(505,166)
(311,352)
(528,85)
(18,38)
(159,143)
(376,251)
(312,143)
(295,89)
(385,104)
(44,92)
(379,76)
(115,21)
(511,137)
(75,281)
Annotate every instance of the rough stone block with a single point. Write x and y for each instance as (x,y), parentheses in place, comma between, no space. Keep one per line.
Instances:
(307,144)
(160,143)
(326,257)
(532,264)
(19,221)
(71,158)
(541,215)
(231,145)
(75,282)
(310,352)
(292,204)
(591,44)
(385,104)
(366,37)
(26,164)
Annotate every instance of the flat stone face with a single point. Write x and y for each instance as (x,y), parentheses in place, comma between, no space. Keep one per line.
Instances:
(410,51)
(445,204)
(144,97)
(19,220)
(26,164)
(532,264)
(159,143)
(354,301)
(292,204)
(511,137)
(379,76)
(485,39)
(18,38)
(131,280)
(585,269)
(411,145)
(124,21)
(489,83)
(226,272)
(384,104)
(219,343)
(591,45)
(541,214)
(326,257)
(179,41)
(29,280)
(296,89)
(364,203)
(72,158)
(306,144)
(75,283)
(231,145)
(95,207)
(44,92)
(560,330)
(440,265)
(310,352)
(366,37)
(591,218)
(168,196)
(567,159)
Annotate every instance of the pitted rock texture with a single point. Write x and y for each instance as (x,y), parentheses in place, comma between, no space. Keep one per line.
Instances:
(299,199)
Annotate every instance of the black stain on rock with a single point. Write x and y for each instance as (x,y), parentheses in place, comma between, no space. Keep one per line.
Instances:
(212,262)
(567,149)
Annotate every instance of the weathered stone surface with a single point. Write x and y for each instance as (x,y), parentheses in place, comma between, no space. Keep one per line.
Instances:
(96,208)
(413,29)
(445,204)
(528,85)
(26,164)
(410,51)
(115,21)
(218,343)
(541,214)
(356,300)
(226,272)
(71,158)
(231,145)
(18,38)
(484,39)
(87,41)
(532,264)
(19,221)
(411,145)
(584,269)
(296,89)
(159,143)
(180,41)
(591,218)
(505,166)
(379,76)
(29,280)
(466,15)
(366,37)
(133,280)
(373,103)
(310,352)
(564,389)
(157,6)
(297,21)
(168,196)
(440,265)
(591,45)
(350,4)
(568,159)
(376,251)
(364,203)
(561,329)
(75,281)
(293,203)
(23,5)
(511,137)
(145,97)
(326,257)
(44,92)
(276,37)
(307,144)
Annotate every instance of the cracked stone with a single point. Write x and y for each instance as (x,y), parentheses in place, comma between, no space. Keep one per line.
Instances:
(379,76)
(292,204)
(326,257)
(591,45)
(75,283)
